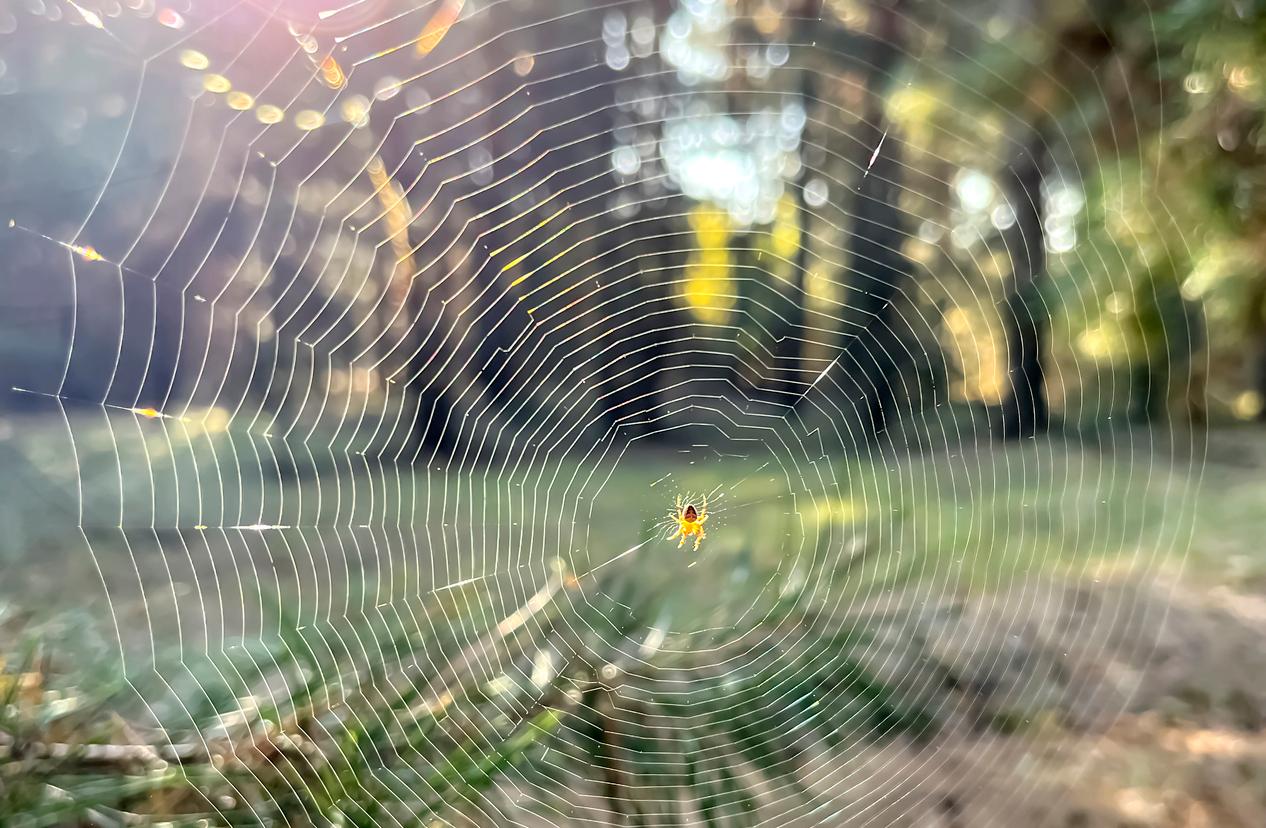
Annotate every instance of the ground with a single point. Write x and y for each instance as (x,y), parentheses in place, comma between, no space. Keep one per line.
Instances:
(1095,608)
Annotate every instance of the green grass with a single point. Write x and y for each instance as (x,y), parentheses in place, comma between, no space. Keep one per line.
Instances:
(394,719)
(380,693)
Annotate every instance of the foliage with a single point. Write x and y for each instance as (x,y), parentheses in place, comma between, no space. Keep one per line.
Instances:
(395,719)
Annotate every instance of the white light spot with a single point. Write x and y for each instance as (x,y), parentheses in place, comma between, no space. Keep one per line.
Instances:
(1002,217)
(816,192)
(1062,239)
(625,160)
(618,57)
(974,189)
(386,88)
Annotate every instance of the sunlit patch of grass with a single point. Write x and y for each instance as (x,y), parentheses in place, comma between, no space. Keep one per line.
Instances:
(975,518)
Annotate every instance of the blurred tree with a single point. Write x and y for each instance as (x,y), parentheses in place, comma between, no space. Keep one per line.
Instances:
(1023,411)
(878,268)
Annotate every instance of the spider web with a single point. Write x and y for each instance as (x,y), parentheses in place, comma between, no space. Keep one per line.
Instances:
(395,331)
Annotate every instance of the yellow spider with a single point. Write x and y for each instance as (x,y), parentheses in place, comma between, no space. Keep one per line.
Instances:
(689,522)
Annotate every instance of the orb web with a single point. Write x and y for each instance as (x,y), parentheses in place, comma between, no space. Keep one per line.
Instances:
(396,332)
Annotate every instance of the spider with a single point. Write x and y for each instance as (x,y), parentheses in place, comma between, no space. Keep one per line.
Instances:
(689,521)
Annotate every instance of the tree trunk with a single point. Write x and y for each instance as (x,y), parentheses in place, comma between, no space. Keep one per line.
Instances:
(1255,348)
(788,351)
(879,269)
(1023,412)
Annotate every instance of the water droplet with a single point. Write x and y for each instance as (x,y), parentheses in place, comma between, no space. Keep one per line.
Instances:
(216,83)
(332,73)
(309,119)
(387,88)
(625,160)
(269,114)
(193,59)
(1002,217)
(618,57)
(171,19)
(816,192)
(355,110)
(974,189)
(417,98)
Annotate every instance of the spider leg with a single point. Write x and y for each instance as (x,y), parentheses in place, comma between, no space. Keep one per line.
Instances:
(681,542)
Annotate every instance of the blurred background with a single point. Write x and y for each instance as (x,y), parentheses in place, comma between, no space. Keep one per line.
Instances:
(356,362)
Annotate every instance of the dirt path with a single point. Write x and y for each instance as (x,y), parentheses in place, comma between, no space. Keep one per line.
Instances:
(1156,717)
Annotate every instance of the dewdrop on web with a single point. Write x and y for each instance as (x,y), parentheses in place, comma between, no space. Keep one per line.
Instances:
(90,17)
(437,27)
(84,251)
